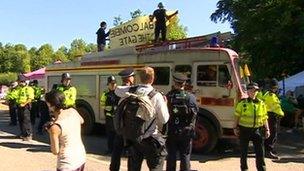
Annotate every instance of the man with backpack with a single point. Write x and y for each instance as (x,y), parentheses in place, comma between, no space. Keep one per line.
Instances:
(183,110)
(139,117)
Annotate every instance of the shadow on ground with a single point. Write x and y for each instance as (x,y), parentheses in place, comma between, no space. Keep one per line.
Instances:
(290,144)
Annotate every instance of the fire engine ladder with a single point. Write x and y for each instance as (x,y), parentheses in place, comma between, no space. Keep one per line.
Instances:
(193,42)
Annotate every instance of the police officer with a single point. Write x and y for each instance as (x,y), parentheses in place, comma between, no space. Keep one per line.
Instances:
(24,100)
(35,103)
(11,97)
(275,112)
(68,90)
(183,110)
(109,102)
(250,124)
(127,77)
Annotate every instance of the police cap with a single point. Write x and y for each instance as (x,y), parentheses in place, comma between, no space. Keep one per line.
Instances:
(126,73)
(274,83)
(66,76)
(253,85)
(111,79)
(180,77)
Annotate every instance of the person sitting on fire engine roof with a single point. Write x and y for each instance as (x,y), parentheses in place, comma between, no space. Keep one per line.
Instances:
(68,90)
(160,23)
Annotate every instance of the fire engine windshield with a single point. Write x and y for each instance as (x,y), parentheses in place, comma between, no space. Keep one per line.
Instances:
(240,73)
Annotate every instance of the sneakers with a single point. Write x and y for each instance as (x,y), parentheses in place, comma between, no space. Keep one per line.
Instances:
(271,155)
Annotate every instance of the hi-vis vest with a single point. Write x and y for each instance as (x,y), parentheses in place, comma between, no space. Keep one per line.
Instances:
(251,113)
(273,103)
(12,95)
(109,102)
(70,93)
(24,94)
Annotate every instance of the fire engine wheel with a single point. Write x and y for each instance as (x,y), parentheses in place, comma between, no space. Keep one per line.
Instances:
(88,125)
(206,136)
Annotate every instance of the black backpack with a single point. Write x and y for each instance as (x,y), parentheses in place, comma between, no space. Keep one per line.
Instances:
(126,122)
(181,114)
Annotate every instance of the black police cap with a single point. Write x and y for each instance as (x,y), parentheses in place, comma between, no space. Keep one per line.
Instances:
(179,77)
(111,79)
(66,76)
(253,86)
(126,72)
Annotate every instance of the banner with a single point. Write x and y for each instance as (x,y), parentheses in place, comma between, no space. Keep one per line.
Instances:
(135,32)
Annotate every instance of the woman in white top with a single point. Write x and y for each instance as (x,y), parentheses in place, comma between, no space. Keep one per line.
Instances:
(65,134)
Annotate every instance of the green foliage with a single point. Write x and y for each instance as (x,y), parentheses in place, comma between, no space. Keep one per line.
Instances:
(7,78)
(175,30)
(17,59)
(271,33)
(78,48)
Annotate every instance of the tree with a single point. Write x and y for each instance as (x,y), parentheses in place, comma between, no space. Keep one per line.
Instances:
(78,47)
(270,32)
(43,57)
(176,30)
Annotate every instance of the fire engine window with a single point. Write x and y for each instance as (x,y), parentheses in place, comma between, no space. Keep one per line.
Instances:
(162,75)
(224,75)
(206,75)
(185,69)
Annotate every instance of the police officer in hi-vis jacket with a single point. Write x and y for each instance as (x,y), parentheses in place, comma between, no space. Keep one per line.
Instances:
(251,125)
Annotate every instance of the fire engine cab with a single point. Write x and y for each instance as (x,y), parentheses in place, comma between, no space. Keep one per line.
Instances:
(215,81)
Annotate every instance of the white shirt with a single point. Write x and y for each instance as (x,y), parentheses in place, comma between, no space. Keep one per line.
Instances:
(158,101)
(72,153)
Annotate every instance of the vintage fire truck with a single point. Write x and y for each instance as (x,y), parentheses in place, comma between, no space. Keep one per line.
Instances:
(215,81)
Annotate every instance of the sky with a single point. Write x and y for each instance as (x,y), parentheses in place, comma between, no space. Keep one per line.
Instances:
(59,22)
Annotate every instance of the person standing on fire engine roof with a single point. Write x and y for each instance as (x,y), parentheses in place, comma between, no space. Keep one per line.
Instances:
(127,76)
(109,102)
(160,23)
(102,36)
(250,124)
(275,112)
(183,110)
(68,90)
(24,99)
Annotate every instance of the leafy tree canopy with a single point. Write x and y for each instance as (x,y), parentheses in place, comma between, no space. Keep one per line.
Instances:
(270,33)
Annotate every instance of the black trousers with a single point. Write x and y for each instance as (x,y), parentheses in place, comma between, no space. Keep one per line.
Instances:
(160,28)
(273,127)
(255,135)
(181,145)
(44,115)
(34,111)
(24,121)
(13,112)
(151,150)
(110,132)
(118,148)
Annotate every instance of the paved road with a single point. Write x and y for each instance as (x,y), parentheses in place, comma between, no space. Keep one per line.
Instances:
(35,155)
